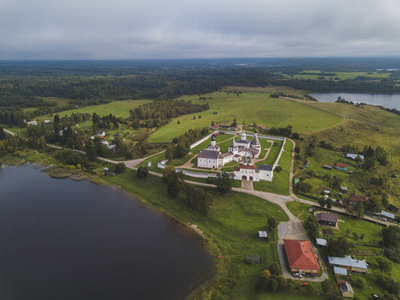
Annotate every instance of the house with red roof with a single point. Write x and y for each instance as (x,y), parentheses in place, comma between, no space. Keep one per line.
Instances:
(301,256)
(356,198)
(340,166)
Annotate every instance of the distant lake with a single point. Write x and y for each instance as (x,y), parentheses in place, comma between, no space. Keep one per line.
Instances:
(386,100)
(64,239)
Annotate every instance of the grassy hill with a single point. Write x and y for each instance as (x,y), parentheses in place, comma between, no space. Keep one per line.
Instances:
(252,107)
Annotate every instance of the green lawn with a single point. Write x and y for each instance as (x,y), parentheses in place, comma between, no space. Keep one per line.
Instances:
(280,183)
(258,107)
(299,210)
(273,154)
(372,232)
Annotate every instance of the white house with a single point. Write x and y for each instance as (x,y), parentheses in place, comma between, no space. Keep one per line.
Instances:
(33,123)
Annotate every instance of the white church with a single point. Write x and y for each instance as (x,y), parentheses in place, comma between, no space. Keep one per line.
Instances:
(212,157)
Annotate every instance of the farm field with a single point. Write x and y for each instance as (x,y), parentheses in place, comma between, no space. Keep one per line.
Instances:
(251,107)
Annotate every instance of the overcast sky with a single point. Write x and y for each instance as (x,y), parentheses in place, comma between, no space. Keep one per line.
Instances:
(133,29)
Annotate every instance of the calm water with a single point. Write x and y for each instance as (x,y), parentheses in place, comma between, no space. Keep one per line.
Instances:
(63,239)
(386,100)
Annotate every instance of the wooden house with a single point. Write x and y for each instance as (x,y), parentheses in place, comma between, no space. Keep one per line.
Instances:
(340,166)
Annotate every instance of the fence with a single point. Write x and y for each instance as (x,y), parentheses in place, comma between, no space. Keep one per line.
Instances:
(202,140)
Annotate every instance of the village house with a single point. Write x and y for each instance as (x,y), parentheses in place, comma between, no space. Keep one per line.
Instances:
(354,265)
(339,166)
(340,271)
(386,214)
(356,198)
(262,234)
(327,219)
(100,133)
(253,259)
(353,156)
(321,242)
(301,257)
(346,289)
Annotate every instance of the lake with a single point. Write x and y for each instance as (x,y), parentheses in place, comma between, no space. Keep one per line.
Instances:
(386,100)
(64,239)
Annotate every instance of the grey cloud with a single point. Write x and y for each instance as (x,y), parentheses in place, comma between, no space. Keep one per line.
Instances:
(123,29)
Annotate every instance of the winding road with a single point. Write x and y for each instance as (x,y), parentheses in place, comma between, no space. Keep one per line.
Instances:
(293,229)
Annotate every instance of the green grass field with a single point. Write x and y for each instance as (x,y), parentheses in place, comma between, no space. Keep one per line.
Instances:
(251,107)
(280,183)
(272,155)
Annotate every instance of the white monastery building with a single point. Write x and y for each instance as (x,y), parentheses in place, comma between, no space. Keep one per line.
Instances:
(248,171)
(211,157)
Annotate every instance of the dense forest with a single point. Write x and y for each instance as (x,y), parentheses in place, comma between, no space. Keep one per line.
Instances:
(30,83)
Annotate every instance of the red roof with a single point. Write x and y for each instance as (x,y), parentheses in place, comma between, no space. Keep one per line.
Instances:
(252,167)
(355,197)
(340,165)
(301,255)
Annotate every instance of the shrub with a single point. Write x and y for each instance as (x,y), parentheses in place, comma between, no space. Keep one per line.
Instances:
(142,172)
(274,269)
(120,168)
(359,282)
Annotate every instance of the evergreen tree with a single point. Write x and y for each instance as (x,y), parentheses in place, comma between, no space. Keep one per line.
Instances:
(224,183)
(2,133)
(91,151)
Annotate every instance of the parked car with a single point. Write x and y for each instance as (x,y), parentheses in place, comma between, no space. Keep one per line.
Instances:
(297,275)
(382,219)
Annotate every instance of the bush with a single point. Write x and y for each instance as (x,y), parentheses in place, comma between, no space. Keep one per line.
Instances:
(274,269)
(298,157)
(278,169)
(359,282)
(273,285)
(264,283)
(120,168)
(142,172)
(211,180)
